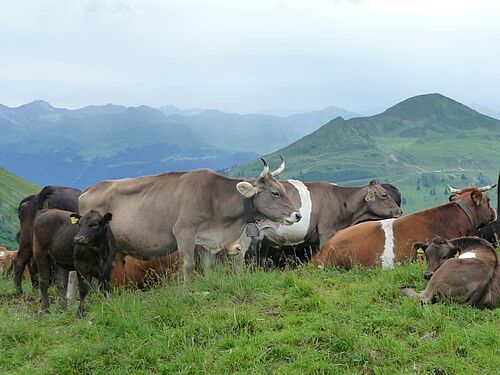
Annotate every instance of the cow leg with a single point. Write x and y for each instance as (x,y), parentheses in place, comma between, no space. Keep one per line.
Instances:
(33,273)
(186,242)
(43,264)
(84,282)
(206,261)
(62,282)
(72,285)
(23,259)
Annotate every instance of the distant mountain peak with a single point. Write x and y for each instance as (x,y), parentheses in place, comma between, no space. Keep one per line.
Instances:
(37,105)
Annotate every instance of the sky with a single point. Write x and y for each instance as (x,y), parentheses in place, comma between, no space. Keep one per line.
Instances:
(249,56)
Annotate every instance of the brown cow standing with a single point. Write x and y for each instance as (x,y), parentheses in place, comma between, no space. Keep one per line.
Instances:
(472,278)
(388,241)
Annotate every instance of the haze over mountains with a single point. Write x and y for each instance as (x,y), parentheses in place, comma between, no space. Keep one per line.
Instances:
(419,144)
(49,145)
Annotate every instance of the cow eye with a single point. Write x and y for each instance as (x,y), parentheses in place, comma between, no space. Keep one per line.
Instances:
(384,195)
(275,194)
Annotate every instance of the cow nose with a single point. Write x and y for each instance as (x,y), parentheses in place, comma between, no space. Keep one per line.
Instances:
(78,239)
(298,216)
(428,275)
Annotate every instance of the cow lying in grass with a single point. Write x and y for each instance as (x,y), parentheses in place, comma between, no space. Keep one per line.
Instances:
(88,248)
(464,269)
(7,259)
(389,241)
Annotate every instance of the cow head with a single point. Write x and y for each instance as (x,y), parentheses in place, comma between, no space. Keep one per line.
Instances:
(92,227)
(377,204)
(270,199)
(437,252)
(478,201)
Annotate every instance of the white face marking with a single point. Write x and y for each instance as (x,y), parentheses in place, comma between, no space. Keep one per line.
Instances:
(387,258)
(467,255)
(296,233)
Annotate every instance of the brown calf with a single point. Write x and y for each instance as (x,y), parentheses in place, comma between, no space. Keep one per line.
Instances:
(471,278)
(388,241)
(140,273)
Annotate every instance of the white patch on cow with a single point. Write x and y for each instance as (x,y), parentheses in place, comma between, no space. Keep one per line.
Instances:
(467,255)
(2,253)
(296,233)
(387,257)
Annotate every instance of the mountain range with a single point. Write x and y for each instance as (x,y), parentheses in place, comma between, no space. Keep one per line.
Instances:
(419,144)
(49,145)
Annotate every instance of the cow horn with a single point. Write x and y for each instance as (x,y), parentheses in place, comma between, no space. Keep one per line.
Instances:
(265,171)
(453,190)
(487,187)
(281,168)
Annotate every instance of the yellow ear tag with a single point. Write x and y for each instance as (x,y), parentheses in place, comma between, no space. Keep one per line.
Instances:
(74,220)
(420,254)
(457,254)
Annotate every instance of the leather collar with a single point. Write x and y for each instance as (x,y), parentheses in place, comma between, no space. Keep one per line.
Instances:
(468,212)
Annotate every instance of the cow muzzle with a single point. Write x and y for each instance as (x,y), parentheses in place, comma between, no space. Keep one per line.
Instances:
(428,275)
(79,240)
(293,218)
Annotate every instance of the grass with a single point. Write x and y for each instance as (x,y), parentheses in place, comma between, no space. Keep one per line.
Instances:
(284,322)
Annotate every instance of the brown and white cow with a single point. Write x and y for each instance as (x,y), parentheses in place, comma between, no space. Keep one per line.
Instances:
(388,241)
(155,215)
(327,208)
(464,269)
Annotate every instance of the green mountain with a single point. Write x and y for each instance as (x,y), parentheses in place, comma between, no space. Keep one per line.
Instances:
(419,144)
(12,190)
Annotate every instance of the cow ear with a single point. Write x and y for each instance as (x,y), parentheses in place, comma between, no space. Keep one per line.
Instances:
(477,197)
(106,218)
(75,218)
(373,182)
(246,189)
(420,246)
(370,197)
(453,197)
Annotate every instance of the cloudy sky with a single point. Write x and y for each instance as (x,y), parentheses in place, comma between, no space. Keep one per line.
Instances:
(247,56)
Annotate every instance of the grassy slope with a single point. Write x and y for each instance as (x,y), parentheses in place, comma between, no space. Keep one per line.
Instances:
(428,137)
(12,190)
(302,321)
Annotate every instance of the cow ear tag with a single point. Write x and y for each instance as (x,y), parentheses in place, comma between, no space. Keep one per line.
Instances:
(457,254)
(420,254)
(74,220)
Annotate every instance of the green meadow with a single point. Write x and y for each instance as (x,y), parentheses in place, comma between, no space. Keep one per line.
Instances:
(302,321)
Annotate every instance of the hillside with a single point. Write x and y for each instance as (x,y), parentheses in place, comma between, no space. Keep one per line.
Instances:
(419,144)
(12,190)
